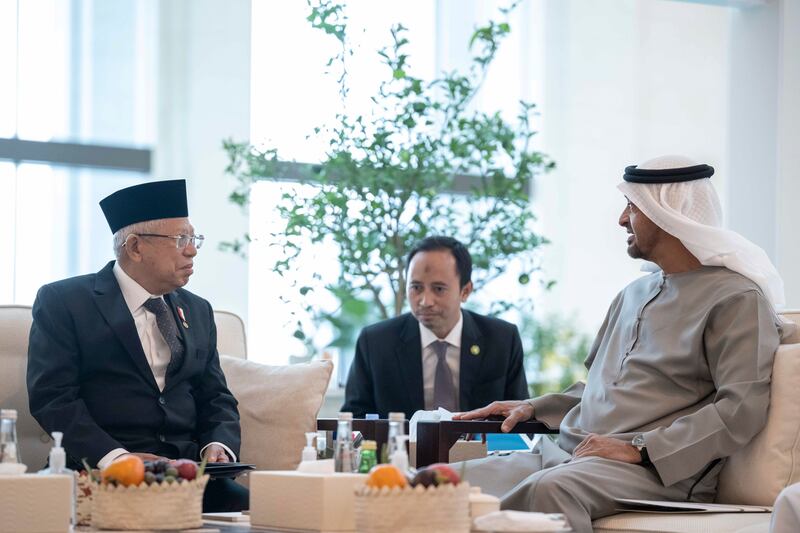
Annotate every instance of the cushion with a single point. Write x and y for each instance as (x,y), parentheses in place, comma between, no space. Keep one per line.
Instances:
(791,335)
(757,473)
(277,405)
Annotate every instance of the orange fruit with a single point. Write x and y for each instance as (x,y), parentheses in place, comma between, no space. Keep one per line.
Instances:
(386,476)
(126,471)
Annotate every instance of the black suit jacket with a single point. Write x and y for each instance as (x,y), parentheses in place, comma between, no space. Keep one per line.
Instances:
(386,374)
(88,376)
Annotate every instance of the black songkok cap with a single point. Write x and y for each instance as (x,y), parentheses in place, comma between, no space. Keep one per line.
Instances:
(148,201)
(667,175)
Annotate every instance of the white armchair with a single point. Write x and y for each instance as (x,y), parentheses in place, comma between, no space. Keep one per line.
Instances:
(754,475)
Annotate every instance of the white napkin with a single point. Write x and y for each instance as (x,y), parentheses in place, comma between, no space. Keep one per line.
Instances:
(520,521)
(426,416)
(12,469)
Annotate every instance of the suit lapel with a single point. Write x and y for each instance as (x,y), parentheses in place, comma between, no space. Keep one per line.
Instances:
(110,302)
(174,302)
(409,360)
(471,363)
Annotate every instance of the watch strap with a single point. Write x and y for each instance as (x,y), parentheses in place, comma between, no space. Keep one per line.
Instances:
(645,456)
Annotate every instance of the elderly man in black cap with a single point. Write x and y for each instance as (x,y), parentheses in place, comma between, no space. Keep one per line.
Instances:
(125,361)
(679,374)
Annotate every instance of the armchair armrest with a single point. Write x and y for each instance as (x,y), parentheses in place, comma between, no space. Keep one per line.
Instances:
(434,439)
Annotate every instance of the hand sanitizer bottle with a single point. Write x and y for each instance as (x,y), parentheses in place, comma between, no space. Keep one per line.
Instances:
(309,452)
(57,464)
(400,456)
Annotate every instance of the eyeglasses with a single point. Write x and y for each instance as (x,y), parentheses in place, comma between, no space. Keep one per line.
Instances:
(181,241)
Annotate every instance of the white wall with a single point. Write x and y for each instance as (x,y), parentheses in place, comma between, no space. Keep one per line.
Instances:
(765,133)
(204,97)
(753,105)
(787,221)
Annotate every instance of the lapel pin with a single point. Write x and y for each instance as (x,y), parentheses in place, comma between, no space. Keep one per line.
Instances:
(183,318)
(475,349)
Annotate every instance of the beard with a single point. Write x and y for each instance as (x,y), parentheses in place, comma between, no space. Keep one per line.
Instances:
(634,252)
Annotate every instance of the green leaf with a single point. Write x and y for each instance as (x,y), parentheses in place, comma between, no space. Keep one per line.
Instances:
(356,308)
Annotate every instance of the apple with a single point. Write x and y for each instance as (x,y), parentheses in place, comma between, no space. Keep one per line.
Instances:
(187,469)
(435,475)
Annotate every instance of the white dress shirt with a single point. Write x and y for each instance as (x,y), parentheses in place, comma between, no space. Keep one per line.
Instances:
(429,359)
(155,347)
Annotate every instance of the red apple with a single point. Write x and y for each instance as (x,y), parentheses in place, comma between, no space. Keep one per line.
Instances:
(445,474)
(435,475)
(187,469)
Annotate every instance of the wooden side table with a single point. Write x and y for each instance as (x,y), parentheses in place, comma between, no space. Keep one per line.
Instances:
(434,439)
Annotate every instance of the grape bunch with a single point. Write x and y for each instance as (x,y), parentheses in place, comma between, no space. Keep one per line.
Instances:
(169,471)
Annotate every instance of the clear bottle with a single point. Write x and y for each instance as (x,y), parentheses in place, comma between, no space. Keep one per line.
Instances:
(9,452)
(322,444)
(369,456)
(343,456)
(396,429)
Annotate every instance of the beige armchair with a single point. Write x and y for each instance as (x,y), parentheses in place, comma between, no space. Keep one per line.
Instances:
(231,335)
(277,404)
(15,324)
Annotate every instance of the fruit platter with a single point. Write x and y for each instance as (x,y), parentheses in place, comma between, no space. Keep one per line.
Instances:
(152,495)
(430,500)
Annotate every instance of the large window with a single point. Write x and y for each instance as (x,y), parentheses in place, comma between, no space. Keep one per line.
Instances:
(76,122)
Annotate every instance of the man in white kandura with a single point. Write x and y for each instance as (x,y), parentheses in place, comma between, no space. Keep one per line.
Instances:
(679,374)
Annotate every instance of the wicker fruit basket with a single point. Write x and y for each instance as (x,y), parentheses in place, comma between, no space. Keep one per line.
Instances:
(177,505)
(413,510)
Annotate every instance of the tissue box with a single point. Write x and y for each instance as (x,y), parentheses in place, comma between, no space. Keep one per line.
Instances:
(35,503)
(298,500)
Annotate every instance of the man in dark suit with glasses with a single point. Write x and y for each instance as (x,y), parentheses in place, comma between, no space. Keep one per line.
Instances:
(125,361)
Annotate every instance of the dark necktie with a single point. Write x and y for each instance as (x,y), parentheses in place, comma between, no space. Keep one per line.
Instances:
(444,390)
(168,329)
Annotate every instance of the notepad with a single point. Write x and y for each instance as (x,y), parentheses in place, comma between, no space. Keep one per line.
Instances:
(226,517)
(655,506)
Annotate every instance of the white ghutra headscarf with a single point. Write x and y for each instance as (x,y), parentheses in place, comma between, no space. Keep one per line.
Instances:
(690,210)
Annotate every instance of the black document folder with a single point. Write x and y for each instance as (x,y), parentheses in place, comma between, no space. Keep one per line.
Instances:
(227,470)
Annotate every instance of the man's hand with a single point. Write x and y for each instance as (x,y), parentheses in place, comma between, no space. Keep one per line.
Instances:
(599,446)
(216,454)
(142,456)
(514,411)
